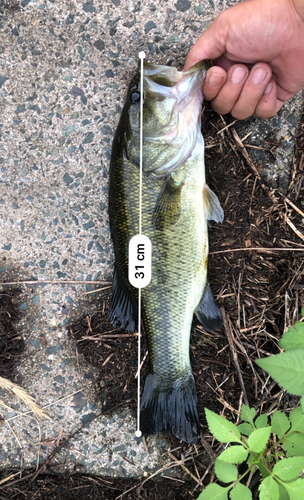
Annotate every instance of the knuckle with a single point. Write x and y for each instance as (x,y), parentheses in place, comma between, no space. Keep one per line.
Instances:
(224,102)
(220,108)
(267,112)
(239,115)
(209,94)
(266,108)
(241,112)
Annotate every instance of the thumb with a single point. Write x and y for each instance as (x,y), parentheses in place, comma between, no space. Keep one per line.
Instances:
(211,44)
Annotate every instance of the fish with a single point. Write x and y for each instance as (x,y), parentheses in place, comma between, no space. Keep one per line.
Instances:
(177,204)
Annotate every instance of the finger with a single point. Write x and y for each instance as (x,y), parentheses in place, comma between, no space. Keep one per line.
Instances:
(279,105)
(283,94)
(268,103)
(252,91)
(230,92)
(215,79)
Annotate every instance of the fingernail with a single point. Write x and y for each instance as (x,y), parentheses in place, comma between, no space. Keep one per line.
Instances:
(215,79)
(238,75)
(268,89)
(259,76)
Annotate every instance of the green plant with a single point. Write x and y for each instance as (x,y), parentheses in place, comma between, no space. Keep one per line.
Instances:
(287,368)
(261,447)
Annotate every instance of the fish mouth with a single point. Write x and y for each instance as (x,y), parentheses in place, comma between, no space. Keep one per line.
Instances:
(203,65)
(169,76)
(159,80)
(181,131)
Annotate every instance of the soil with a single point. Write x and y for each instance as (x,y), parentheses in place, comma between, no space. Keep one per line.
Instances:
(259,292)
(11,344)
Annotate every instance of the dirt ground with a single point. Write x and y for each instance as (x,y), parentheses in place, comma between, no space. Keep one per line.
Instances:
(256,270)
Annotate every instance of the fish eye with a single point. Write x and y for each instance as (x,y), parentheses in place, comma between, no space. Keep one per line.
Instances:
(135,97)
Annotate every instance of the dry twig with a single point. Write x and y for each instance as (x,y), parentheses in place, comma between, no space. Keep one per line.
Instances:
(234,353)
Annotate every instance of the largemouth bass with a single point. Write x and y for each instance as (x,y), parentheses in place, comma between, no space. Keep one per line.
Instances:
(176,205)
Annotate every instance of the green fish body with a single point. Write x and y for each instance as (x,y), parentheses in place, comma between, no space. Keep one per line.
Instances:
(176,205)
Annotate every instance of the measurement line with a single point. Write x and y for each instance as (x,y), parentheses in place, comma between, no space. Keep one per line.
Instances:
(141,57)
(138,431)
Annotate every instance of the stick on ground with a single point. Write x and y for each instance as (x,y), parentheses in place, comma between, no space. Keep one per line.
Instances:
(234,353)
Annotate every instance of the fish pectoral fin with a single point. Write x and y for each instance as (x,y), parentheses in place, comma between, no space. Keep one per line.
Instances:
(212,207)
(168,204)
(207,311)
(123,312)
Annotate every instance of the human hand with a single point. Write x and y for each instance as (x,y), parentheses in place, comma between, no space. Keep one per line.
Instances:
(257,47)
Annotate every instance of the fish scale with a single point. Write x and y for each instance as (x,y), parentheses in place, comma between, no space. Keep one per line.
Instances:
(176,204)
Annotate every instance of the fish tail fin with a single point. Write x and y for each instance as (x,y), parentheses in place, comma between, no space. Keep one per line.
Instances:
(170,406)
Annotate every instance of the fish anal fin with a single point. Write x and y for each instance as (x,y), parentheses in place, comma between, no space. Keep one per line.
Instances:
(168,204)
(207,311)
(123,312)
(212,207)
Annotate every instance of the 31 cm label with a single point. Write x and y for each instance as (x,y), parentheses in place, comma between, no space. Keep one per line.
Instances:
(140,252)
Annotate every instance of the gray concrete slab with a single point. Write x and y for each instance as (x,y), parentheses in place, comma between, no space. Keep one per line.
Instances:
(64,70)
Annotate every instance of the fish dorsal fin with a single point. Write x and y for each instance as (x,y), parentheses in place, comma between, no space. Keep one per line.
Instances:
(123,312)
(212,207)
(168,204)
(207,311)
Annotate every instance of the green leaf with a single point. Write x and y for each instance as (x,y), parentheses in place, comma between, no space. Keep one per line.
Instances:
(279,423)
(225,472)
(294,445)
(214,492)
(289,469)
(258,439)
(302,403)
(261,421)
(296,418)
(245,428)
(293,338)
(287,369)
(283,495)
(247,414)
(234,455)
(265,472)
(240,492)
(223,430)
(269,489)
(253,460)
(295,489)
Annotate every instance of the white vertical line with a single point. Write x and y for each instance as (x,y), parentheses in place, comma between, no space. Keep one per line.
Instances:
(138,431)
(141,56)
